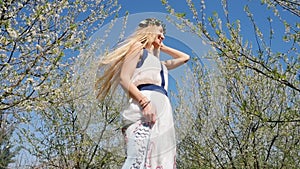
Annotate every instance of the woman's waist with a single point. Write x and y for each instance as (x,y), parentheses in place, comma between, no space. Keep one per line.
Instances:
(153,87)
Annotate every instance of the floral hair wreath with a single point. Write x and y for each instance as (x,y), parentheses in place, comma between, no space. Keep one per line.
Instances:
(152,21)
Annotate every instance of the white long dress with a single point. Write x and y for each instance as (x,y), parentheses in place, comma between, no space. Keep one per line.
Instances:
(150,146)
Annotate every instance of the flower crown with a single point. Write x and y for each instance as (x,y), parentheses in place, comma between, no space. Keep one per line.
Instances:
(152,21)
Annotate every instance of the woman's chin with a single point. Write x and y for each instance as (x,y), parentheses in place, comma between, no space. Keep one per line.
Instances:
(157,45)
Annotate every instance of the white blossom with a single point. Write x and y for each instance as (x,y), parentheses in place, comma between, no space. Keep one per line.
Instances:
(39,48)
(12,33)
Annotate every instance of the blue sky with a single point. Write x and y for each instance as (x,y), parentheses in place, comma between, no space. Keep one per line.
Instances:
(190,43)
(235,12)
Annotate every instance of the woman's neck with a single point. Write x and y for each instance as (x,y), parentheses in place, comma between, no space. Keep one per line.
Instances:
(153,51)
(156,52)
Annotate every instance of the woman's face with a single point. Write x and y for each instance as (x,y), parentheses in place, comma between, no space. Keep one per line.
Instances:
(158,37)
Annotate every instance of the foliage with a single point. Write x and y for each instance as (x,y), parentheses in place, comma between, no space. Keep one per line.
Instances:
(289,5)
(248,111)
(58,140)
(7,152)
(40,40)
(35,37)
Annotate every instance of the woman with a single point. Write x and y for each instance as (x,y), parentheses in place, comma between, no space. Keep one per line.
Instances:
(148,121)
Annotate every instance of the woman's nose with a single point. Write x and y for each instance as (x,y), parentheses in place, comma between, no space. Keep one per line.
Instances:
(162,37)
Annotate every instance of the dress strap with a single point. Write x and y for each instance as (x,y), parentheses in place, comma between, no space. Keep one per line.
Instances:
(162,76)
(153,87)
(143,58)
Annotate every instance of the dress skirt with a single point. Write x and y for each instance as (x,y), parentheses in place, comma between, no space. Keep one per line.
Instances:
(149,146)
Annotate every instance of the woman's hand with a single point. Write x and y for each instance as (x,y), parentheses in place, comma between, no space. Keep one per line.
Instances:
(149,113)
(148,110)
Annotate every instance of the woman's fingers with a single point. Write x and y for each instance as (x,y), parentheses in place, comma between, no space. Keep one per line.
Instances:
(153,118)
(149,113)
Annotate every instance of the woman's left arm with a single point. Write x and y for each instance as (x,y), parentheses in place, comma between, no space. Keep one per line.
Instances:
(179,57)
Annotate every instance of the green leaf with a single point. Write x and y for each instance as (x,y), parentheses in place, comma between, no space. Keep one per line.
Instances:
(73,26)
(180,15)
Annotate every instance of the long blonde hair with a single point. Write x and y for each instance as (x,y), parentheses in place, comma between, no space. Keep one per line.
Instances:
(113,61)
